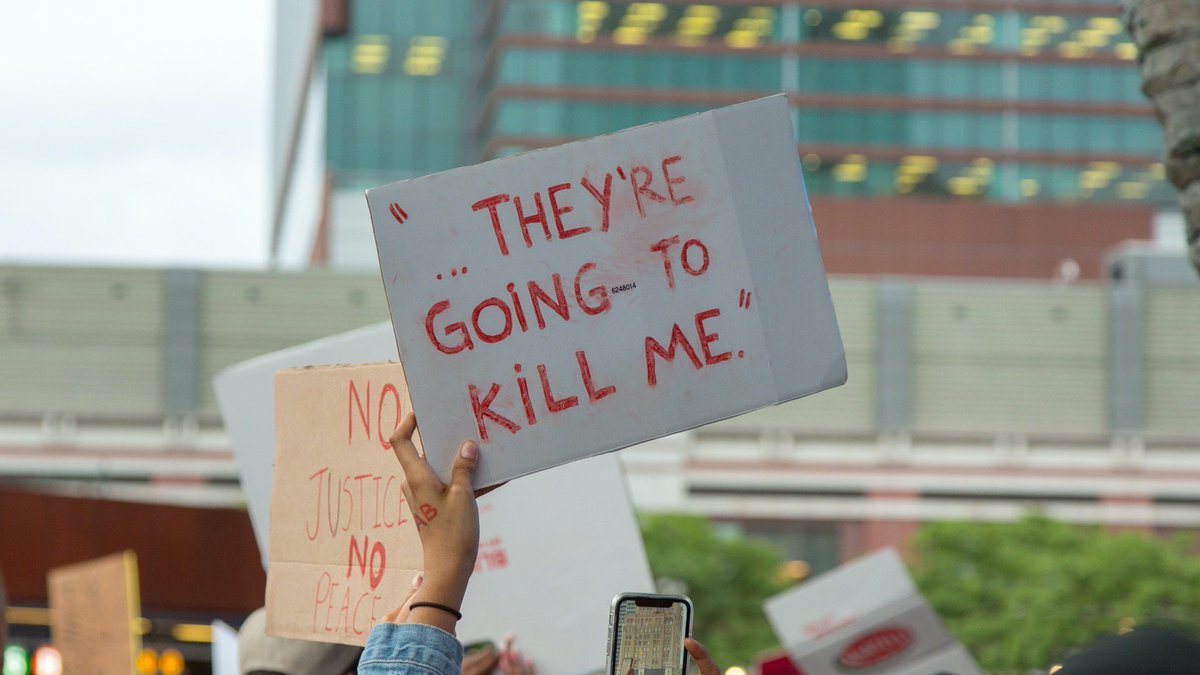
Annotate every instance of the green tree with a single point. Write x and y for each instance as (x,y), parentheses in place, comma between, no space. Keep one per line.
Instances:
(727,579)
(1022,595)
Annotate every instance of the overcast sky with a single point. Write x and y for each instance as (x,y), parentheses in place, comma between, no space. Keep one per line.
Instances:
(134,132)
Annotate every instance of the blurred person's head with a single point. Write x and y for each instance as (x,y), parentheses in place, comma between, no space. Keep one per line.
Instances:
(1148,649)
(261,654)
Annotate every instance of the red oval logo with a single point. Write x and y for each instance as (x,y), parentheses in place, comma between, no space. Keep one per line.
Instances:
(875,648)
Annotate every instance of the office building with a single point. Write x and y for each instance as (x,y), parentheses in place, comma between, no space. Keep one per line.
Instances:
(966,138)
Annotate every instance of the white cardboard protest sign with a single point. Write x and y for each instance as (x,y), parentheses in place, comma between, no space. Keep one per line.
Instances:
(570,542)
(589,551)
(865,615)
(579,299)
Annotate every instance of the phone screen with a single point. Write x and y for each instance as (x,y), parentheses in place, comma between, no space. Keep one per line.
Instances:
(648,635)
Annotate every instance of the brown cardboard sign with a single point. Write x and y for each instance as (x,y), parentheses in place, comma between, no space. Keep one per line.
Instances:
(94,607)
(3,612)
(343,543)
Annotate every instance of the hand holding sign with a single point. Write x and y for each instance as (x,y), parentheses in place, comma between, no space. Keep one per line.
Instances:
(344,542)
(447,520)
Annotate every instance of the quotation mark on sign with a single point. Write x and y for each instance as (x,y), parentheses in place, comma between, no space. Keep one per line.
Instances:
(744,299)
(397,212)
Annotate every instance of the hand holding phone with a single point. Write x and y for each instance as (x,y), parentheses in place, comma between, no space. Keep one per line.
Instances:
(646,634)
(704,662)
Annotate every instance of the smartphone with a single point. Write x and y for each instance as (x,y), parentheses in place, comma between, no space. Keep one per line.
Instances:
(646,632)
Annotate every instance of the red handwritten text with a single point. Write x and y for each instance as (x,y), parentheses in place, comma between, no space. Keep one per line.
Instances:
(679,340)
(485,410)
(355,613)
(389,397)
(492,556)
(492,319)
(378,553)
(534,218)
(693,257)
(363,500)
(424,515)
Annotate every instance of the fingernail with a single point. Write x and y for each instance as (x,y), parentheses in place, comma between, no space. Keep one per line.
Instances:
(416,582)
(468,450)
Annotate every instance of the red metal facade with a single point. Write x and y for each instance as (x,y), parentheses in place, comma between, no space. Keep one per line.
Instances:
(189,559)
(918,236)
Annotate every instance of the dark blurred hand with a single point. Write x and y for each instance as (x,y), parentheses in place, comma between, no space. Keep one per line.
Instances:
(512,663)
(481,662)
(700,655)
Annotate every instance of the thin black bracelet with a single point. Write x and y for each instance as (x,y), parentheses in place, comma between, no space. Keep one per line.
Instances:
(457,614)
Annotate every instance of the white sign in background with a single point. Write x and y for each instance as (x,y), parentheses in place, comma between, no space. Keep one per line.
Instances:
(955,660)
(865,614)
(570,542)
(554,548)
(839,597)
(580,299)
(224,649)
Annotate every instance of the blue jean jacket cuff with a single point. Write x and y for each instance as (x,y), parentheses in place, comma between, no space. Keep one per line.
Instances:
(410,648)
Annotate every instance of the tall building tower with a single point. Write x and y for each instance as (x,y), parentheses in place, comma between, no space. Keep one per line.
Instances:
(967,138)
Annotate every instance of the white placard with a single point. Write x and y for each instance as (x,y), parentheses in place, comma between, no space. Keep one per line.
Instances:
(864,616)
(570,542)
(224,649)
(584,298)
(840,597)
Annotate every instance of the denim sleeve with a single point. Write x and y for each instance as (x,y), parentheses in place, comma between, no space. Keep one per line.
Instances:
(410,649)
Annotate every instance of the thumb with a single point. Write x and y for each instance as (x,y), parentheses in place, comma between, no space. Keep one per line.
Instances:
(463,473)
(700,655)
(400,614)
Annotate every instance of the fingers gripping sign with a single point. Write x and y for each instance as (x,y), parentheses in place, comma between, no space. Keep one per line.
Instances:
(446,515)
(447,519)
